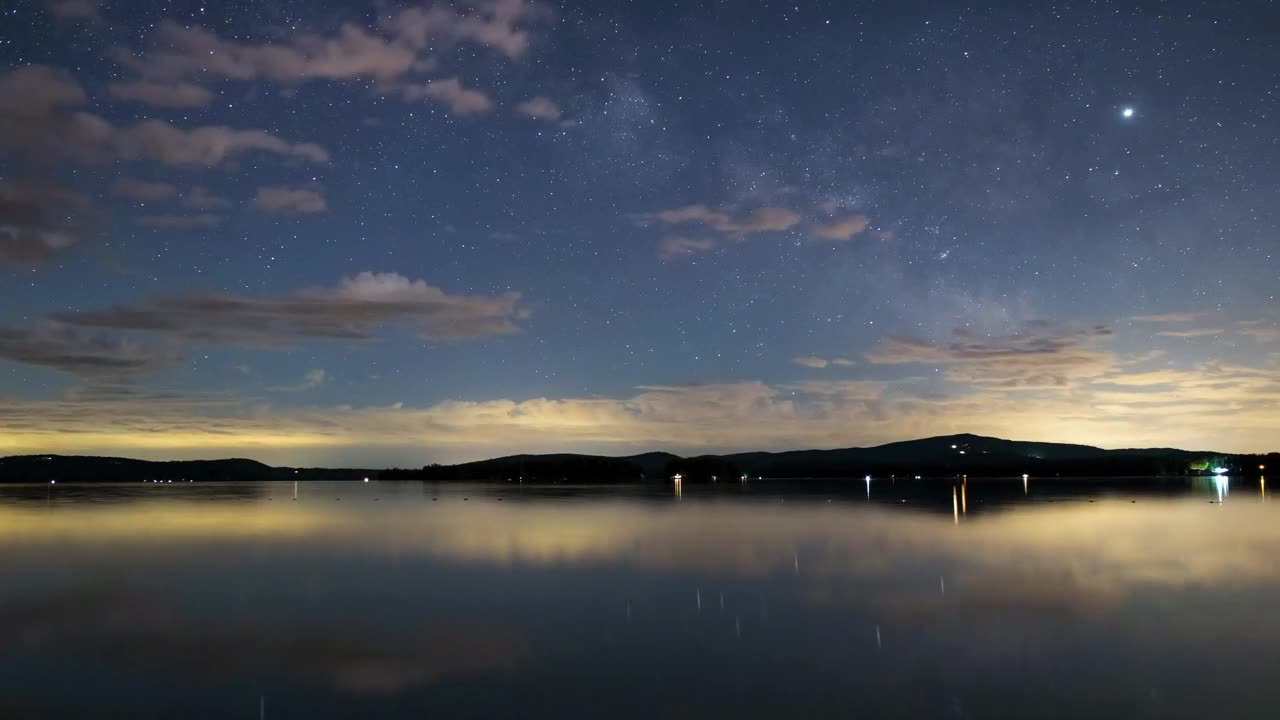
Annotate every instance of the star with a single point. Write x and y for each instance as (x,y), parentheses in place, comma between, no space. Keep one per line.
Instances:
(1126,113)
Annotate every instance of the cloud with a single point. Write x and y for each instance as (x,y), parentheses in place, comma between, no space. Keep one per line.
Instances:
(493,24)
(1173,317)
(142,190)
(1196,333)
(403,43)
(193,51)
(95,357)
(677,246)
(766,219)
(540,108)
(203,146)
(38,220)
(180,222)
(162,95)
(818,363)
(313,379)
(461,101)
(353,311)
(842,230)
(35,91)
(1239,403)
(289,201)
(37,121)
(1263,331)
(201,199)
(74,9)
(1023,362)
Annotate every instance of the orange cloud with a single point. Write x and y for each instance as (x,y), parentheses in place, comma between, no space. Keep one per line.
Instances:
(842,230)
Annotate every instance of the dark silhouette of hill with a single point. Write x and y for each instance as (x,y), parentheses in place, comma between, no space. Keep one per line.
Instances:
(948,455)
(562,467)
(64,468)
(963,454)
(970,454)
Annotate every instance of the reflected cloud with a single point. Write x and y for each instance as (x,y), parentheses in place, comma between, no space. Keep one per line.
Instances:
(1076,556)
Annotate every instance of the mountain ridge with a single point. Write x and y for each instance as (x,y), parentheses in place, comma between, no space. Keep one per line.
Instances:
(962,453)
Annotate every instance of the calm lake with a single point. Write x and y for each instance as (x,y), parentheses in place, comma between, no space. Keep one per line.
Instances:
(911,599)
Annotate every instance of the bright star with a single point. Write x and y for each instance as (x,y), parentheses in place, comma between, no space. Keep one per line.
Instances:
(1127,112)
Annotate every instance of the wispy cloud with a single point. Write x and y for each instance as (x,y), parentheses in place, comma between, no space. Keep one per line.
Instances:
(766,219)
(74,9)
(1025,362)
(540,108)
(842,230)
(1173,317)
(450,91)
(142,190)
(353,311)
(404,41)
(201,199)
(36,119)
(818,362)
(679,246)
(1195,333)
(1157,407)
(1262,331)
(161,94)
(311,380)
(97,357)
(289,201)
(180,222)
(38,220)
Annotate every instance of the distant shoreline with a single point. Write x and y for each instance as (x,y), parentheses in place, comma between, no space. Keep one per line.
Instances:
(952,456)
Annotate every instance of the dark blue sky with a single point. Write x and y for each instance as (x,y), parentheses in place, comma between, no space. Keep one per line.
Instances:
(394,233)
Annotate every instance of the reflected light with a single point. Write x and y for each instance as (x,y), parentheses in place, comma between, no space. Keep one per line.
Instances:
(955,505)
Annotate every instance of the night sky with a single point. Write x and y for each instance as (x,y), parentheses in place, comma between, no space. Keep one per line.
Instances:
(342,232)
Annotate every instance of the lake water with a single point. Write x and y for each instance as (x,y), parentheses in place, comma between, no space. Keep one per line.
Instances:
(410,600)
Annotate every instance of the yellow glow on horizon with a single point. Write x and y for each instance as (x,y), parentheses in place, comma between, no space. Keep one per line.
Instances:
(742,416)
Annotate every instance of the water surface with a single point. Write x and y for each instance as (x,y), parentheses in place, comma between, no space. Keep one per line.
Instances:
(899,599)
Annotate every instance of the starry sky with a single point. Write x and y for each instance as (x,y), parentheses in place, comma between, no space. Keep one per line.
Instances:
(391,233)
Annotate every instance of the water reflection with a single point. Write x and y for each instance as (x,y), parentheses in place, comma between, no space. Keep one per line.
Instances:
(396,600)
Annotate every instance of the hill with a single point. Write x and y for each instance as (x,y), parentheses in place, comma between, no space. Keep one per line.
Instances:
(64,468)
(931,457)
